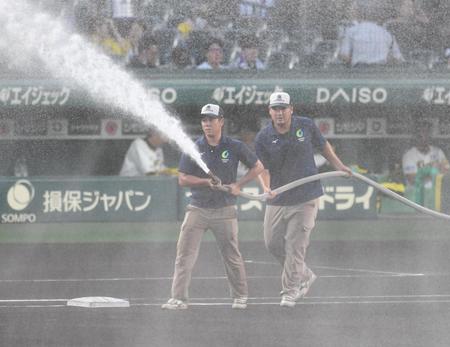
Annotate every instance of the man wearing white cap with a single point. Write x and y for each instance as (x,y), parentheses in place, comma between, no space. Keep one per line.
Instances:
(211,208)
(286,148)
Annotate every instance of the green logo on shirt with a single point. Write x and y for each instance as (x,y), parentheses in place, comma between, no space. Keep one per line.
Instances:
(300,135)
(225,156)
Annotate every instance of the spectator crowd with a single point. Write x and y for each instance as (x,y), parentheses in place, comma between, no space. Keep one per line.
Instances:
(255,35)
(263,34)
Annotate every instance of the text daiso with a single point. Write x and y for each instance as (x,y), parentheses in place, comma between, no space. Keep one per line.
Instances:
(362,95)
(10,218)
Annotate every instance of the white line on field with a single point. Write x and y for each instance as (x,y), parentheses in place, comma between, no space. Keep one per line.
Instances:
(228,304)
(31,306)
(342,297)
(277,303)
(367,271)
(130,279)
(31,300)
(339,268)
(373,275)
(252,300)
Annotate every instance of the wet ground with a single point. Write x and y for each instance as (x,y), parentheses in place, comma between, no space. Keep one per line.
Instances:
(369,293)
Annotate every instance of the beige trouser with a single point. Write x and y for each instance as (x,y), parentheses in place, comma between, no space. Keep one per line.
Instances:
(286,233)
(223,223)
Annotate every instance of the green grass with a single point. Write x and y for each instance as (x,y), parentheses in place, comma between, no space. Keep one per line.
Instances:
(382,229)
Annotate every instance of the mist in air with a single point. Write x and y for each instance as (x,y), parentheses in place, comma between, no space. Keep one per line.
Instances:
(33,35)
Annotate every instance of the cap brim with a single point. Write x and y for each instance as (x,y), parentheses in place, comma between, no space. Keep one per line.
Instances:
(279,105)
(210,115)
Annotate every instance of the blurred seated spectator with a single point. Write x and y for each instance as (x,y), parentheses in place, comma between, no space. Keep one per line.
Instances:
(213,55)
(248,58)
(196,44)
(148,56)
(279,60)
(108,38)
(195,17)
(145,156)
(135,33)
(123,8)
(410,11)
(368,43)
(165,39)
(324,53)
(437,11)
(410,26)
(423,156)
(255,8)
(181,58)
(84,15)
(184,29)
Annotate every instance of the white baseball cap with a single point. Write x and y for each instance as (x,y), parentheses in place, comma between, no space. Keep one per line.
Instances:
(279,99)
(212,110)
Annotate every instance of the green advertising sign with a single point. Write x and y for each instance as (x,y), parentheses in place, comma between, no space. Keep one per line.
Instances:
(242,88)
(41,200)
(117,199)
(342,199)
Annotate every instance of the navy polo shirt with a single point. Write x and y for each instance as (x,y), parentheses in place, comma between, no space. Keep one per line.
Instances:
(223,161)
(289,157)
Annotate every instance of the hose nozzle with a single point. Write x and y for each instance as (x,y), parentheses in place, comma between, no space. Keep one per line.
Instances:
(215,180)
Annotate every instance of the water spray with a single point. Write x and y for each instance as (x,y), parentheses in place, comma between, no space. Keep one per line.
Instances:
(28,34)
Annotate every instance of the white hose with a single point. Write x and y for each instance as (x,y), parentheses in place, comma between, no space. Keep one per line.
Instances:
(291,185)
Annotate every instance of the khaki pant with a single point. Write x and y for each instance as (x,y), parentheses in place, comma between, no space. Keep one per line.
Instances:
(286,233)
(223,223)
